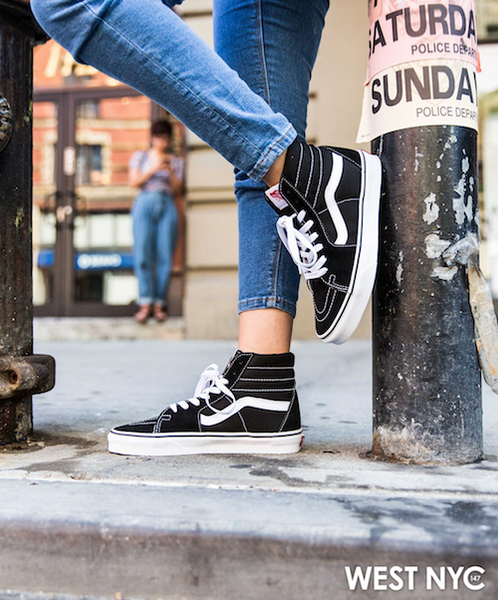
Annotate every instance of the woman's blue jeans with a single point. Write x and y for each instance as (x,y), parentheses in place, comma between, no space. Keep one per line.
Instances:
(248,103)
(155,226)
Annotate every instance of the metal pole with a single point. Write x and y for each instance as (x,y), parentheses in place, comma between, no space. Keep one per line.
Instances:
(21,373)
(427,396)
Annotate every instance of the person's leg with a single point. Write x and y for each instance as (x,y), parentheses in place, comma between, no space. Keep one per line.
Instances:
(326,199)
(143,225)
(272,44)
(147,46)
(253,406)
(167,233)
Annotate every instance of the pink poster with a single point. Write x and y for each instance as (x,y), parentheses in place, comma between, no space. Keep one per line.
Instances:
(410,30)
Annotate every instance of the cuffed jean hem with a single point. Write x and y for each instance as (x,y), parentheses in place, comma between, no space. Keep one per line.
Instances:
(267,302)
(272,153)
(145,301)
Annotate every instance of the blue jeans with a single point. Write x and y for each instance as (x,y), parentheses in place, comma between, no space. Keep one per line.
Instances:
(272,44)
(249,118)
(155,226)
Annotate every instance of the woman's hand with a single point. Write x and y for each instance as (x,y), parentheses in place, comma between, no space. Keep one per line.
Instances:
(157,162)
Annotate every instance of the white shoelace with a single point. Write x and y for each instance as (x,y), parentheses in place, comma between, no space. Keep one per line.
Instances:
(300,244)
(210,382)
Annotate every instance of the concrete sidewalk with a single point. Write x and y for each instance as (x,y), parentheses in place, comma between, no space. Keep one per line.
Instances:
(76,521)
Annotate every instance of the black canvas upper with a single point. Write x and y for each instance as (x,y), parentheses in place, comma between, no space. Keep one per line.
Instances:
(306,174)
(269,377)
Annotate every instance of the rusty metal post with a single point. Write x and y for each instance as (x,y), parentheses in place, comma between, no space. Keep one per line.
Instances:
(427,395)
(21,373)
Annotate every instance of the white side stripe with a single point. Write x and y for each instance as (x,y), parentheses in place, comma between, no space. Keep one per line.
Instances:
(335,212)
(238,405)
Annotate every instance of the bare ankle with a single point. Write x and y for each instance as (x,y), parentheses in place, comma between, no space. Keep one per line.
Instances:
(265,331)
(274,173)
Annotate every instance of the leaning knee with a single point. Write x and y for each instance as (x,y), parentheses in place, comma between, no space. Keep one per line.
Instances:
(68,22)
(49,14)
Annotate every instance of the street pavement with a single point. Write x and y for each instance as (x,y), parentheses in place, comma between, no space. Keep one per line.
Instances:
(78,522)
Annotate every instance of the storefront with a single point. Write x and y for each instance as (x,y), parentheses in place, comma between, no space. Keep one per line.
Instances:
(86,127)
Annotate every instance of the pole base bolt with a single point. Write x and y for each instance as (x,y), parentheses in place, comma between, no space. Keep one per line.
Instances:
(26,375)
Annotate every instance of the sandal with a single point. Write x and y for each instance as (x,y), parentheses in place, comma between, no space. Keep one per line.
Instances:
(159,314)
(143,314)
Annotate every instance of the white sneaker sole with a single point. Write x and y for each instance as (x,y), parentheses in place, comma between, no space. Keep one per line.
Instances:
(366,260)
(202,443)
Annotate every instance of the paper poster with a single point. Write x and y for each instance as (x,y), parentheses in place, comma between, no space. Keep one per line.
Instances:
(419,94)
(422,66)
(407,30)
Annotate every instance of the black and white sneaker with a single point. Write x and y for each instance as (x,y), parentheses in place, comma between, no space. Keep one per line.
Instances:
(252,408)
(329,200)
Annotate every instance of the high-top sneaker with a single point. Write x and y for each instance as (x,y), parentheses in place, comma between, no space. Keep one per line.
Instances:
(252,408)
(328,199)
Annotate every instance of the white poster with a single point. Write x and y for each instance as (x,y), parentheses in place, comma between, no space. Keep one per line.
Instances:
(422,67)
(419,94)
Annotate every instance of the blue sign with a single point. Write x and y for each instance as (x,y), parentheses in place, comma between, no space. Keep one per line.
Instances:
(90,261)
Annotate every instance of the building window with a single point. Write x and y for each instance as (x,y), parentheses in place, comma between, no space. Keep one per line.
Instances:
(89,164)
(88,109)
